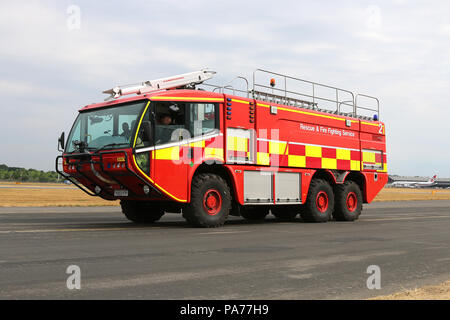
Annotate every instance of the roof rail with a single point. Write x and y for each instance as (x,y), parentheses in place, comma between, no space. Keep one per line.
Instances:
(377,109)
(340,96)
(317,94)
(313,95)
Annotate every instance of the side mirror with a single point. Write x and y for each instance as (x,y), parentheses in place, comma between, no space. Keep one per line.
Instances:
(147,131)
(61,142)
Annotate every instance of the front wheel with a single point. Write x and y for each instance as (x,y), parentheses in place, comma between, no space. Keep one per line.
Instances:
(319,204)
(210,201)
(348,202)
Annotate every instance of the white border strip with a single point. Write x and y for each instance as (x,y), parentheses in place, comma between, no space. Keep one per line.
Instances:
(174,144)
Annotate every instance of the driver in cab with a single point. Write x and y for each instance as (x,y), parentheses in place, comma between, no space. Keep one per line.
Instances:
(164,130)
(164,119)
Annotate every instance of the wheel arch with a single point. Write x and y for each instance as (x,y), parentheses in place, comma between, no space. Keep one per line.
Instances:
(215,168)
(326,175)
(360,180)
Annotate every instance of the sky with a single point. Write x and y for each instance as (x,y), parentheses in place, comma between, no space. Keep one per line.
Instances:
(58,56)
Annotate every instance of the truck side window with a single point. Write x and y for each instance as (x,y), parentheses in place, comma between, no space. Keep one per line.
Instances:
(170,122)
(202,118)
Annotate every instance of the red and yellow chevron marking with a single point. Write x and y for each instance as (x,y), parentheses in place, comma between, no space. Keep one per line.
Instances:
(278,153)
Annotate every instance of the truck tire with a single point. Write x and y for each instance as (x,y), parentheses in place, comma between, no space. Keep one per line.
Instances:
(319,203)
(210,201)
(254,213)
(141,212)
(285,212)
(348,202)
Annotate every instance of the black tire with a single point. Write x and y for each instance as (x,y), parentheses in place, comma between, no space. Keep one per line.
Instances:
(285,212)
(348,202)
(254,213)
(210,201)
(319,203)
(141,212)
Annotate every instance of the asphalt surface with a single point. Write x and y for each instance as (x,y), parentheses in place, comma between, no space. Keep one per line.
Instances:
(409,241)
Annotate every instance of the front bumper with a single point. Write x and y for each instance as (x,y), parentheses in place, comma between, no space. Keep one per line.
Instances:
(89,168)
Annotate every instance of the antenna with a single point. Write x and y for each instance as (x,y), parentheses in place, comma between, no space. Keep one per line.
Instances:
(176,81)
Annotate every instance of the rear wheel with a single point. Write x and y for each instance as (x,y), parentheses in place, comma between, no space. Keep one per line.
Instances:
(210,201)
(319,204)
(254,213)
(348,202)
(141,212)
(285,212)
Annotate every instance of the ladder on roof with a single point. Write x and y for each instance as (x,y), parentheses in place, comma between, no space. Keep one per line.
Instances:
(177,81)
(270,97)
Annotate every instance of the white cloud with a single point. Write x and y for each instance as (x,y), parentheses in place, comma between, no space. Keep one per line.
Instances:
(398,51)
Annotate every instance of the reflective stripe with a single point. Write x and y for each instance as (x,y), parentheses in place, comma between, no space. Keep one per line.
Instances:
(308,113)
(181,143)
(158,186)
(240,101)
(139,125)
(188,99)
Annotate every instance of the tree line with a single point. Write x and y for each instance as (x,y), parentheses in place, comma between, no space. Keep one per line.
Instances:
(27,175)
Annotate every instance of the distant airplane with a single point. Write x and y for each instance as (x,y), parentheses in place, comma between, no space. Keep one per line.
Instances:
(442,184)
(415,184)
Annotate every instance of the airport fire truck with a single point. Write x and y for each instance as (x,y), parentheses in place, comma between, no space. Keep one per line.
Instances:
(281,144)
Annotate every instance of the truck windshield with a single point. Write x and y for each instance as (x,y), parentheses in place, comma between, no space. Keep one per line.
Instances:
(110,128)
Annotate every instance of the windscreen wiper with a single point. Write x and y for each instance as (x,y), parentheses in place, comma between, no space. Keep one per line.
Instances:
(111,145)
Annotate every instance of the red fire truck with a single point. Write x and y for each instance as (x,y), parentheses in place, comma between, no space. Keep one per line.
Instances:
(283,144)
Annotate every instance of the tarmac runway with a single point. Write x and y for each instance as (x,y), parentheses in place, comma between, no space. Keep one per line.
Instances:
(408,241)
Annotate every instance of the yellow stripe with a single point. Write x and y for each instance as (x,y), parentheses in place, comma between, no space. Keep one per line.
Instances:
(187,98)
(198,144)
(159,187)
(240,101)
(172,153)
(309,113)
(139,125)
(370,124)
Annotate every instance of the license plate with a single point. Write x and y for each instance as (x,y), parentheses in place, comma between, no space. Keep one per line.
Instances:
(121,193)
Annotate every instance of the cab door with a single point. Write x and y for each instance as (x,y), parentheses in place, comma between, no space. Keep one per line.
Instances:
(169,162)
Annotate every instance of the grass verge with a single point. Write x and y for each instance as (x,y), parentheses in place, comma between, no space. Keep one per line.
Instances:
(437,292)
(55,195)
